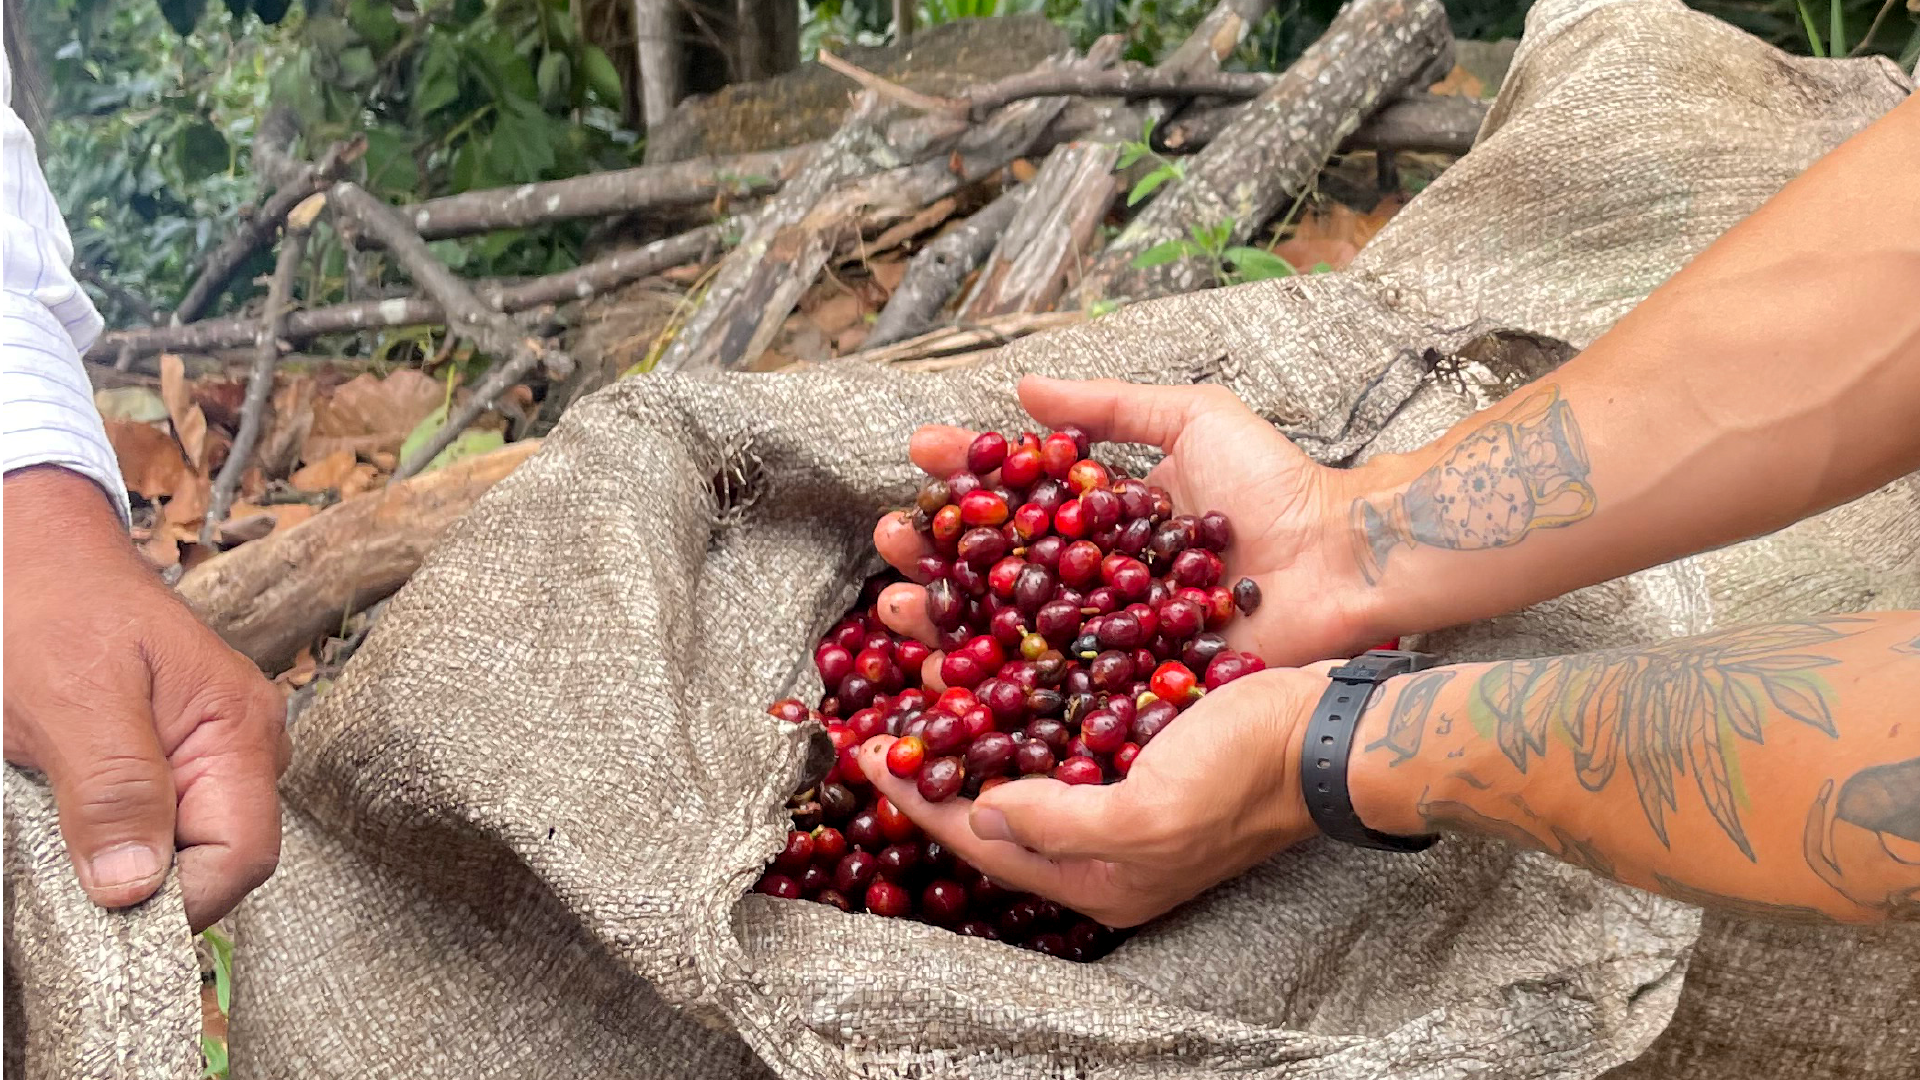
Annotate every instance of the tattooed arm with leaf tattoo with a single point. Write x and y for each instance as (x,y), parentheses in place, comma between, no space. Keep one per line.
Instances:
(1773,769)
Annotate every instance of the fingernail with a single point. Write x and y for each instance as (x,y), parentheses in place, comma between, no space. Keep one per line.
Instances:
(990,824)
(123,864)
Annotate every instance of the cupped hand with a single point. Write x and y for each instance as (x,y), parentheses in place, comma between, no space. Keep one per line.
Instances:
(1215,793)
(1287,511)
(156,738)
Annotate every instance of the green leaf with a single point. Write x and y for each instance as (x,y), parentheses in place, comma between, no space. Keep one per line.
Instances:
(1256,264)
(200,151)
(1160,254)
(373,20)
(1836,28)
(390,165)
(215,1051)
(1323,268)
(222,948)
(439,82)
(555,78)
(357,66)
(470,443)
(1148,184)
(1130,153)
(182,15)
(602,77)
(1813,35)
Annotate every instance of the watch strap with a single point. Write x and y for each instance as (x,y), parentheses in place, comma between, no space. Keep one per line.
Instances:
(1329,745)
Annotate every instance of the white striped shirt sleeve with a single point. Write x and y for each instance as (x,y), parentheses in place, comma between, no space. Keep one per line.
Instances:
(47,415)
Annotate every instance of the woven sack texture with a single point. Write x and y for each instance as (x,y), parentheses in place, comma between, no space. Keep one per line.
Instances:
(521,827)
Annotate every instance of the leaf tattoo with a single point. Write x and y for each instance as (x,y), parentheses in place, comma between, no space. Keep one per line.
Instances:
(1667,711)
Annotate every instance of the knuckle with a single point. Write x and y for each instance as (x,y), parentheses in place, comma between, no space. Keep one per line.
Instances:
(113,789)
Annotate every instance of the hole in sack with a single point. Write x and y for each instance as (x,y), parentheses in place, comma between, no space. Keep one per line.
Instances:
(735,487)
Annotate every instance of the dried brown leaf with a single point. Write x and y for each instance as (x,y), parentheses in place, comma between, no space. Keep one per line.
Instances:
(328,473)
(189,423)
(288,424)
(151,464)
(368,414)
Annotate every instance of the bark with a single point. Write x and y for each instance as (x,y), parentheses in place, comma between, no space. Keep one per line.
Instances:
(259,382)
(903,11)
(1373,50)
(1129,84)
(657,49)
(1215,38)
(1044,248)
(769,33)
(271,597)
(1418,122)
(854,179)
(684,183)
(466,316)
(936,272)
(587,280)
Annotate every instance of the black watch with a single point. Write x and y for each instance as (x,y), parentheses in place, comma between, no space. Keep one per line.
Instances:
(1323,760)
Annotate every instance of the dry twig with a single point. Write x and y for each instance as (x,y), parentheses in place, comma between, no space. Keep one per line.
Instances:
(293,249)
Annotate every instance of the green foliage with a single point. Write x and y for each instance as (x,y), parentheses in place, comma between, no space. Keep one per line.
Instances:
(1230,264)
(1165,169)
(214,1051)
(149,145)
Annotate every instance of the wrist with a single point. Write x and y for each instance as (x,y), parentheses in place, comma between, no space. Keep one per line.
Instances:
(55,516)
(1413,746)
(1359,498)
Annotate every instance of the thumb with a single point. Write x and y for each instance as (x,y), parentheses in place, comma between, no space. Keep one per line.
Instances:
(1110,410)
(114,790)
(1058,820)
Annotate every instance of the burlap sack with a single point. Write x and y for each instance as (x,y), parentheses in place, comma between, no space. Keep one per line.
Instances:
(520,829)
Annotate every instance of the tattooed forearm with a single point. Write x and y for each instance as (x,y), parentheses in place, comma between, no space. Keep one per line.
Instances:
(1408,718)
(1526,470)
(1866,842)
(1511,820)
(1666,711)
(1755,909)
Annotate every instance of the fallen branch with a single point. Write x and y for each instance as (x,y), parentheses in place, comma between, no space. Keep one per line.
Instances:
(853,180)
(586,280)
(258,231)
(260,382)
(119,293)
(936,272)
(271,597)
(467,317)
(683,183)
(515,354)
(1043,249)
(1128,84)
(1372,50)
(1418,122)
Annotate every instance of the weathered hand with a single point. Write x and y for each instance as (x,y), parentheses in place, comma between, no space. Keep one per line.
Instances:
(1214,794)
(155,736)
(1287,511)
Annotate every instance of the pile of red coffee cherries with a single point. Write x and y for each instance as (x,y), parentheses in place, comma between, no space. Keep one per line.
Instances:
(1078,616)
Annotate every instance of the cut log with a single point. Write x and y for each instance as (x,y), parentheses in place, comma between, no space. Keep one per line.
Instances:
(271,597)
(1372,51)
(1215,38)
(656,33)
(1044,249)
(684,183)
(583,281)
(855,179)
(936,272)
